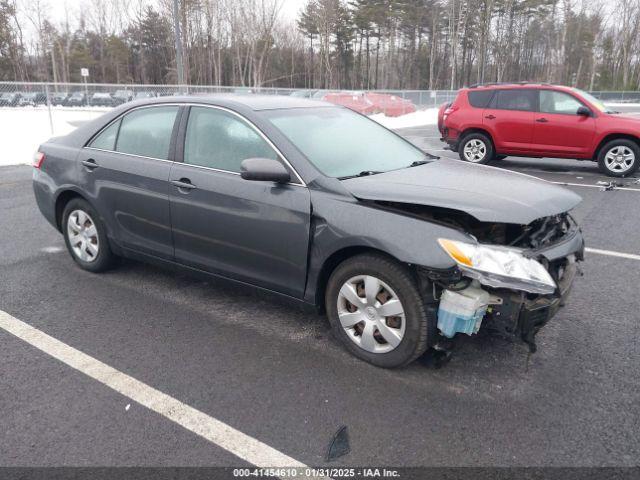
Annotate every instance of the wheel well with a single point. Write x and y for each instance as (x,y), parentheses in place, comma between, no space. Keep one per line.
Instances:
(478,130)
(62,200)
(614,136)
(335,259)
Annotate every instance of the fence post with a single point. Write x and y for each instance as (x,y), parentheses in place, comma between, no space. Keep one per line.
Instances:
(47,93)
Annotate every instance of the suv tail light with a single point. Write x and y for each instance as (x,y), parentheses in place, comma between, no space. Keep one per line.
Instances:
(38,158)
(450,109)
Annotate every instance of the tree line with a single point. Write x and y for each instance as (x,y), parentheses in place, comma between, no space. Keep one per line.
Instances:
(346,44)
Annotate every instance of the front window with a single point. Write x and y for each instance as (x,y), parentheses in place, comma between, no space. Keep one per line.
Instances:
(218,139)
(341,143)
(552,101)
(591,99)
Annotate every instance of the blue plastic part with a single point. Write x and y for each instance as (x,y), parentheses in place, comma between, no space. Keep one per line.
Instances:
(451,323)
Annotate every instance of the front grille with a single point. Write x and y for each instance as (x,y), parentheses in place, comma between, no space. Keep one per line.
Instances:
(544,231)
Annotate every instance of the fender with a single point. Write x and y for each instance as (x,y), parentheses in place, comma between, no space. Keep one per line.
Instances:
(407,239)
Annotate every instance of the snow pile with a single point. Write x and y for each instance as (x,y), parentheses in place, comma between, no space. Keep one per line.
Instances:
(25,128)
(415,119)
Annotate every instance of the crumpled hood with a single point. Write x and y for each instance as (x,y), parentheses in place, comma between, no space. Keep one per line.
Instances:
(487,193)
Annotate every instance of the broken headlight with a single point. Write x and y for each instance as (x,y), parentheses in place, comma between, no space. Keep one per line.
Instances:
(499,267)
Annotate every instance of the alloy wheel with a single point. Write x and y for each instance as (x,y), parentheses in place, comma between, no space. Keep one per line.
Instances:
(371,314)
(83,236)
(475,151)
(619,159)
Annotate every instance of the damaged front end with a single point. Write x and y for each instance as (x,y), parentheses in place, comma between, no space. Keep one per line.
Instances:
(513,280)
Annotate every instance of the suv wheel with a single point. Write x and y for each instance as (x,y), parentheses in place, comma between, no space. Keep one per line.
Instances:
(619,158)
(85,236)
(476,148)
(376,310)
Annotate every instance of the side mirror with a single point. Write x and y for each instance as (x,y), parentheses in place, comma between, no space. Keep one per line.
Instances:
(264,170)
(584,111)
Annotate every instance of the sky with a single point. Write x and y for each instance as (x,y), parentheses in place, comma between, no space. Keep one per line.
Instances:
(290,8)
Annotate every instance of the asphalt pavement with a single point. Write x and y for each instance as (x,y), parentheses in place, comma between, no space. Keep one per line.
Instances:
(273,371)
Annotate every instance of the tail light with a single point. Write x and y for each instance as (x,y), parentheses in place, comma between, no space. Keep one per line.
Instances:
(450,109)
(38,158)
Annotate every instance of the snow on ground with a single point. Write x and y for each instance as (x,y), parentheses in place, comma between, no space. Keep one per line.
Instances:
(613,104)
(415,119)
(23,129)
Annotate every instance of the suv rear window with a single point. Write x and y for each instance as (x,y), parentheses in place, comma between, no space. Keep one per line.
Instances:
(480,98)
(516,99)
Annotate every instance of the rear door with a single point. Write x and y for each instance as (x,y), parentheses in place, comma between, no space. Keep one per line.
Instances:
(559,130)
(252,231)
(510,119)
(125,169)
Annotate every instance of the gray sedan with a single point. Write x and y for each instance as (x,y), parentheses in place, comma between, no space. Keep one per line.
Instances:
(403,251)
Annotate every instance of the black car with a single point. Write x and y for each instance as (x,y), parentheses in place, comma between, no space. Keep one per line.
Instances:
(33,99)
(76,99)
(101,100)
(59,98)
(122,96)
(10,99)
(319,204)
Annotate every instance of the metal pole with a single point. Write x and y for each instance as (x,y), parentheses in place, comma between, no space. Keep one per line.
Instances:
(47,93)
(176,25)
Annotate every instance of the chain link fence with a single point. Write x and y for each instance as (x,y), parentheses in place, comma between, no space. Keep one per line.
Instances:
(93,98)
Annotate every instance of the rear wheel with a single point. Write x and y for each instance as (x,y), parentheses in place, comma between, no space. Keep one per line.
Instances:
(619,158)
(476,148)
(85,236)
(375,309)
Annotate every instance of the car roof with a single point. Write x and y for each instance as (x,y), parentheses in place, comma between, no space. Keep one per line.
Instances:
(251,101)
(527,85)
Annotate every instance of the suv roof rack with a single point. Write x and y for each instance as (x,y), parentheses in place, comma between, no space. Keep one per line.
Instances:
(493,84)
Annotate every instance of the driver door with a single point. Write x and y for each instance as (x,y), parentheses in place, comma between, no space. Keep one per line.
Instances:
(252,231)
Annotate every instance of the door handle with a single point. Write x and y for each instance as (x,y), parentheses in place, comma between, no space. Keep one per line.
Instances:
(183,183)
(490,117)
(90,164)
(542,120)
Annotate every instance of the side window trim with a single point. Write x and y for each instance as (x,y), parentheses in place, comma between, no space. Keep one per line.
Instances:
(182,137)
(565,93)
(119,119)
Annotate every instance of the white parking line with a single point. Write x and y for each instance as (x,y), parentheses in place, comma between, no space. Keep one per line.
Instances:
(610,253)
(243,446)
(601,187)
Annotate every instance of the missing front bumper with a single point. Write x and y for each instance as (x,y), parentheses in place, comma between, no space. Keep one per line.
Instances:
(524,317)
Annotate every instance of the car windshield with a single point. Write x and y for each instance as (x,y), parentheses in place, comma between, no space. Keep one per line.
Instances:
(592,100)
(341,143)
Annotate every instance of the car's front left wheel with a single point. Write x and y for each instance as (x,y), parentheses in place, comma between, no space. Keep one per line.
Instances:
(619,158)
(86,237)
(376,310)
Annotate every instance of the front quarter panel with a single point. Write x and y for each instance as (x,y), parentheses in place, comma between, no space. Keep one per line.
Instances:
(340,222)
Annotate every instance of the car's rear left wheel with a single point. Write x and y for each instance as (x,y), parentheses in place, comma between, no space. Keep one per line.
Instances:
(376,310)
(476,148)
(85,236)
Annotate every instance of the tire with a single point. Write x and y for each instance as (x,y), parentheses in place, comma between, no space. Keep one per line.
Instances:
(93,259)
(416,324)
(619,158)
(483,152)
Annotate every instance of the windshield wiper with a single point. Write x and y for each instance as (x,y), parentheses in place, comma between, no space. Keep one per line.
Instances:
(417,163)
(364,173)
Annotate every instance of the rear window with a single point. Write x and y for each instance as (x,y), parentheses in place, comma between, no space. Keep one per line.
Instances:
(480,98)
(517,99)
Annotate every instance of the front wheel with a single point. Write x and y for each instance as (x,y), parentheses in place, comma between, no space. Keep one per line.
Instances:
(619,158)
(476,148)
(376,310)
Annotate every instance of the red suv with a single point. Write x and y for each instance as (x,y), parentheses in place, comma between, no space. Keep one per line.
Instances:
(537,120)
